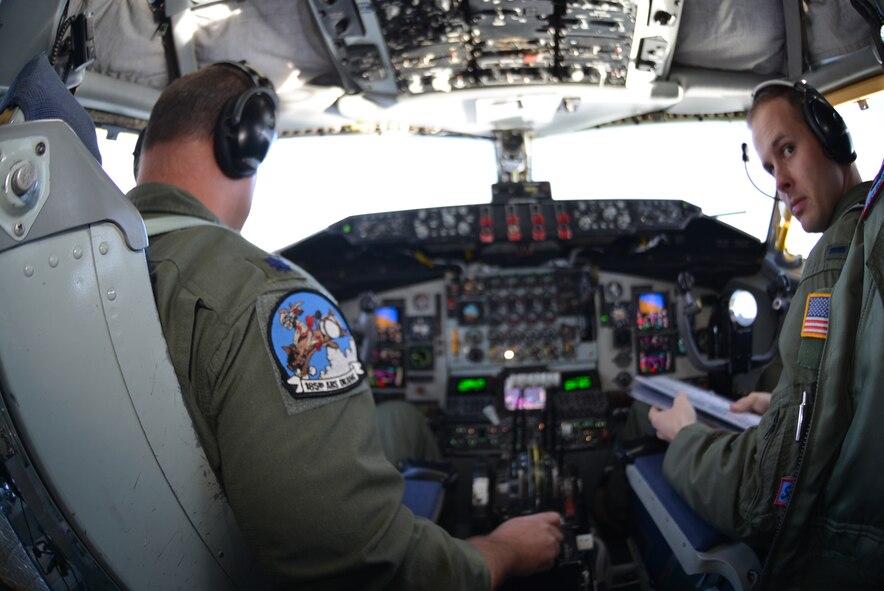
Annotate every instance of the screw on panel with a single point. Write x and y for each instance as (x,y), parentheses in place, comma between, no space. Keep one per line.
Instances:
(29,270)
(19,229)
(23,178)
(53,261)
(103,248)
(112,294)
(40,149)
(78,252)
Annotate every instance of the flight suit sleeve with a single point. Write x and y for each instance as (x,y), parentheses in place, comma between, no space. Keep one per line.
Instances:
(741,482)
(731,479)
(310,488)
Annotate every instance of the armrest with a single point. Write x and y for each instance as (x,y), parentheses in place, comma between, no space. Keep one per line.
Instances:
(698,546)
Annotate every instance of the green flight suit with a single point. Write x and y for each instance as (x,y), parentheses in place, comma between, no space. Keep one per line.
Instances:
(833,531)
(740,482)
(306,477)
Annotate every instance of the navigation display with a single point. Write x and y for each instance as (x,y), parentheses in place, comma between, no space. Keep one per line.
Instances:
(651,311)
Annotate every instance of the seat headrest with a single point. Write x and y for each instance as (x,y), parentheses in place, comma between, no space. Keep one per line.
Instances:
(40,94)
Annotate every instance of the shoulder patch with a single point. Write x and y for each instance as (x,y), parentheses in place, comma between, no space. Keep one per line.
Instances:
(816,316)
(312,346)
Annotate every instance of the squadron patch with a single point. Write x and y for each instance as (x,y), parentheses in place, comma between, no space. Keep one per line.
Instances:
(312,345)
(816,316)
(784,493)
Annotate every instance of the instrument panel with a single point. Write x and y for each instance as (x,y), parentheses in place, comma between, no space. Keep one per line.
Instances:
(516,222)
(524,321)
(437,340)
(520,325)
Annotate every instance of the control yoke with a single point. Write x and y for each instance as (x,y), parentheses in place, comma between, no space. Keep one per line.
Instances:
(364,329)
(742,311)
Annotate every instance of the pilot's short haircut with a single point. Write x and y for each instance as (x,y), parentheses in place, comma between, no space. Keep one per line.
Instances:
(770,93)
(189,108)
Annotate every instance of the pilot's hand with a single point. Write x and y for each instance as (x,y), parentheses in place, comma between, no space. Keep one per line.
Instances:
(669,422)
(757,402)
(521,546)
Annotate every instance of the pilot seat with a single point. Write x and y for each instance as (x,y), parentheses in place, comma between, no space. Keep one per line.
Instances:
(103,483)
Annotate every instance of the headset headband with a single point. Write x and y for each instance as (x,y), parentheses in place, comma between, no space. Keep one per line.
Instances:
(821,117)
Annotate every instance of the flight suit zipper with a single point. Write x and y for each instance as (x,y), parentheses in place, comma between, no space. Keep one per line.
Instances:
(805,413)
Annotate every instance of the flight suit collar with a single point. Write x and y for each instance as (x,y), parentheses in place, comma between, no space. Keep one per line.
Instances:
(160,198)
(855,195)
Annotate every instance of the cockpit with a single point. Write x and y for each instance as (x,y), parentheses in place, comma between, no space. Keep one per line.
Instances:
(531,213)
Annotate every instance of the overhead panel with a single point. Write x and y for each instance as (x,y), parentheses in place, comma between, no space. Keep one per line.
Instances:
(411,47)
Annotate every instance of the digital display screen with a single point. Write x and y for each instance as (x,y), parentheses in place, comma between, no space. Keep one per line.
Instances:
(420,328)
(572,384)
(386,376)
(530,398)
(651,312)
(386,368)
(471,386)
(388,324)
(655,354)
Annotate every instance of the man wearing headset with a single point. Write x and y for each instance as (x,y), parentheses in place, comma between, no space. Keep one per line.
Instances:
(295,448)
(768,484)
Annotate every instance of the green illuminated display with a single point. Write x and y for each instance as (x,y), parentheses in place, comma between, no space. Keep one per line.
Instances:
(472,385)
(578,383)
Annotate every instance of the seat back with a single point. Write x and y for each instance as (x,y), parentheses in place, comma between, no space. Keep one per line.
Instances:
(698,547)
(101,462)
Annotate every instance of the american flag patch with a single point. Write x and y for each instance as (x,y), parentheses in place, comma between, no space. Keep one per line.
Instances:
(816,316)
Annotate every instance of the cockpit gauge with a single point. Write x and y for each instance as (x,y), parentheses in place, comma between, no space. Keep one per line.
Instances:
(614,290)
(420,328)
(420,358)
(421,301)
(609,213)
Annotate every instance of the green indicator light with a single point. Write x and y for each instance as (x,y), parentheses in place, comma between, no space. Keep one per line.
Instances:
(604,317)
(578,383)
(347,228)
(472,385)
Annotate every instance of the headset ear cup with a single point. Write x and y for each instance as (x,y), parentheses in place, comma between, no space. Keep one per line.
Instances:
(829,127)
(257,130)
(244,133)
(225,140)
(136,153)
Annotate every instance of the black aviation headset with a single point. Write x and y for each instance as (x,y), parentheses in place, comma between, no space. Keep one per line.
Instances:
(245,129)
(247,125)
(822,119)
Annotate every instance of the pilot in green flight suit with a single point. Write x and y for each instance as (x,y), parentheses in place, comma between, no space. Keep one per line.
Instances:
(269,372)
(744,483)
